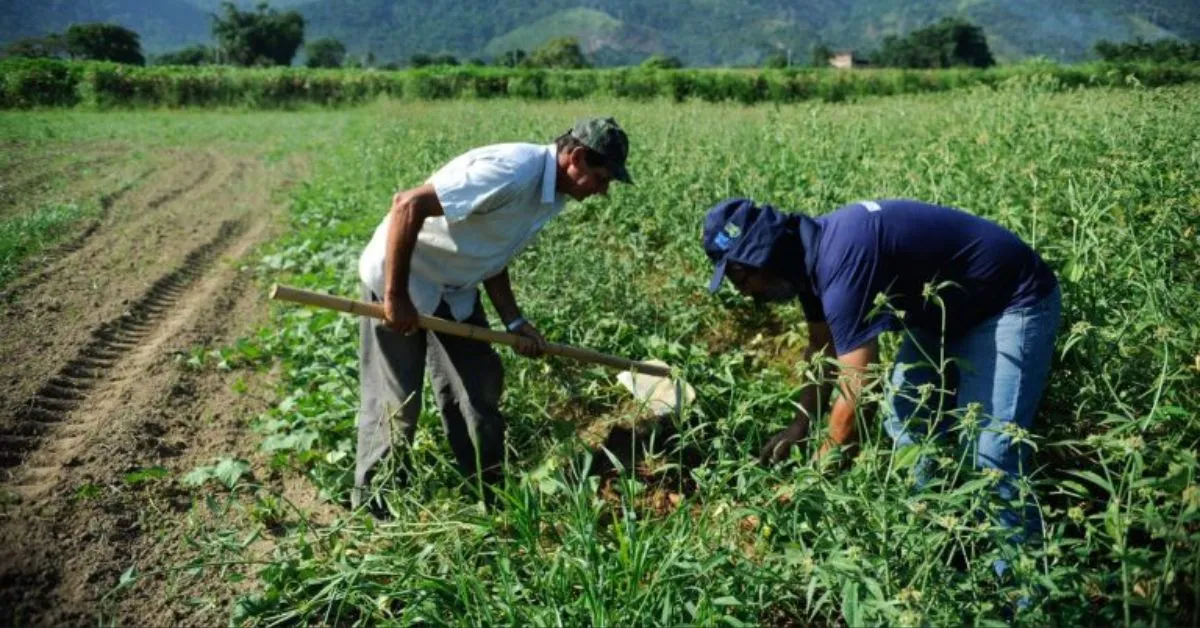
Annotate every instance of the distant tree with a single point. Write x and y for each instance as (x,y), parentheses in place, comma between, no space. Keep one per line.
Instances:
(475,62)
(662,62)
(563,53)
(947,43)
(1158,51)
(444,59)
(819,55)
(511,58)
(420,60)
(1107,50)
(391,65)
(775,60)
(51,45)
(325,53)
(104,42)
(262,37)
(192,55)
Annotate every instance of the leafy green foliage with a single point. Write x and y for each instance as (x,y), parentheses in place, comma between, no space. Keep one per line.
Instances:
(1160,51)
(191,55)
(262,37)
(27,83)
(51,45)
(662,62)
(142,476)
(325,53)
(28,233)
(819,55)
(422,60)
(227,471)
(690,530)
(104,42)
(562,53)
(950,42)
(776,60)
(511,58)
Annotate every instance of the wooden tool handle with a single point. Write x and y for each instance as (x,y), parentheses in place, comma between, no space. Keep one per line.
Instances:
(462,330)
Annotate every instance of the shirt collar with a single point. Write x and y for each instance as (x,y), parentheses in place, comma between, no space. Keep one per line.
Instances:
(550,175)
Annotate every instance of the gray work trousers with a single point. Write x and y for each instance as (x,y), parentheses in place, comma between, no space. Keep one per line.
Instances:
(467,379)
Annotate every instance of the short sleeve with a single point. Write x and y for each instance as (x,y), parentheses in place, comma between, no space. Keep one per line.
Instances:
(848,300)
(849,321)
(475,185)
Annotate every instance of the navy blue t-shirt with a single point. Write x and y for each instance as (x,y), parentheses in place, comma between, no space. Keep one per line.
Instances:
(896,247)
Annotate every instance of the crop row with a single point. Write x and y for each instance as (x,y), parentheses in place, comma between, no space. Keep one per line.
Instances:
(39,83)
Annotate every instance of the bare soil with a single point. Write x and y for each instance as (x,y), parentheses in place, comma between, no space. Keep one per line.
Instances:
(92,387)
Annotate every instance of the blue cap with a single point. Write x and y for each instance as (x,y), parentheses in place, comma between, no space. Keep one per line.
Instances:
(736,230)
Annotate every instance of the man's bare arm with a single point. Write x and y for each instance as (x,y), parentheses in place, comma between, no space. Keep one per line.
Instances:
(850,379)
(409,210)
(499,289)
(813,398)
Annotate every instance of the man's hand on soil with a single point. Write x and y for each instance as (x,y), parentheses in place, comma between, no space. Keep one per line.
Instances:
(531,344)
(779,447)
(400,314)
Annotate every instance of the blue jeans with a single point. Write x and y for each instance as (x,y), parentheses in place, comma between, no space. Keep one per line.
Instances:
(1001,365)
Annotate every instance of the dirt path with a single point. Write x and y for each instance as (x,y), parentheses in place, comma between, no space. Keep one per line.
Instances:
(91,388)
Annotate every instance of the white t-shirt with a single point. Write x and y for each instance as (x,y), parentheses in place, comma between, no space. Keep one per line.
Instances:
(495,200)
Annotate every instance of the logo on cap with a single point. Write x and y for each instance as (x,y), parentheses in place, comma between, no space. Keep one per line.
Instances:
(724,239)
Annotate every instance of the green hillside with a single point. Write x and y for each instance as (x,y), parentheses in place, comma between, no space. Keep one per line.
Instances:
(701,32)
(600,35)
(162,24)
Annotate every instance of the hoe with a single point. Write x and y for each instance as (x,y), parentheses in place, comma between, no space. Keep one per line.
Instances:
(650,382)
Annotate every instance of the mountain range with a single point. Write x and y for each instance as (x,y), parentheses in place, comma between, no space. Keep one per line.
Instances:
(699,32)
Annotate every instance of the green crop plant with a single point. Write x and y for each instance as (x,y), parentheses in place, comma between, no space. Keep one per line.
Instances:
(691,530)
(26,83)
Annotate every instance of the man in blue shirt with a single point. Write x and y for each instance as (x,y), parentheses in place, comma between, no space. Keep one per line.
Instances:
(978,309)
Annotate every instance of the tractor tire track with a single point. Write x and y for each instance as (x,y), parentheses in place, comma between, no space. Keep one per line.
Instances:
(101,272)
(69,388)
(93,389)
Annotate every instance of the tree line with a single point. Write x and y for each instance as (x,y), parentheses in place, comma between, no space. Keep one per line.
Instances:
(260,37)
(268,37)
(951,42)
(1158,51)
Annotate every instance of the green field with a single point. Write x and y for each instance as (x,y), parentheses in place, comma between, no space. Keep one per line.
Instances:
(1101,182)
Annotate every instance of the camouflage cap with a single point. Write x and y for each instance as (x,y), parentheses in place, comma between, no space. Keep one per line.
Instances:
(606,137)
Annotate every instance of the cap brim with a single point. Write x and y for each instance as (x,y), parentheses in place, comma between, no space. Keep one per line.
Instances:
(622,175)
(718,275)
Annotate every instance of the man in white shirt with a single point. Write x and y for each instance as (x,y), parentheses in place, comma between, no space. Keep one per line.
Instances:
(437,244)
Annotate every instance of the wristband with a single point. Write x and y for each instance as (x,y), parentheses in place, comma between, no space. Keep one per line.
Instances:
(515,324)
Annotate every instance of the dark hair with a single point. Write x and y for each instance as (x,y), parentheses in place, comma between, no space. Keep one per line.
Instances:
(568,142)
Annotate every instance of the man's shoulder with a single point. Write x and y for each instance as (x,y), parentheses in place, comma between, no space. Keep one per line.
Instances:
(522,163)
(516,154)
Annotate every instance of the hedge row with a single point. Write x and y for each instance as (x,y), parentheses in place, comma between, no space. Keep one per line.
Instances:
(35,83)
